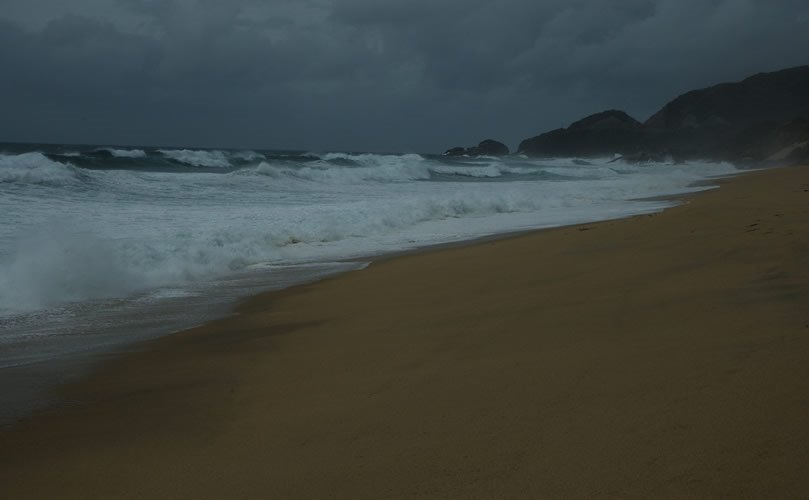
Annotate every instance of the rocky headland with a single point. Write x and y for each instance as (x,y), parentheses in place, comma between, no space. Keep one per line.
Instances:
(762,118)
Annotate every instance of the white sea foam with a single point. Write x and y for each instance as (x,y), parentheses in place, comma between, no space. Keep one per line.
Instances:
(382,168)
(248,155)
(602,172)
(374,160)
(198,158)
(379,160)
(126,153)
(35,168)
(398,172)
(131,231)
(64,262)
(483,171)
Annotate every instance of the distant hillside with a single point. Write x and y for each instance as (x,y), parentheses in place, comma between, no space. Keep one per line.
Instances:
(595,135)
(758,118)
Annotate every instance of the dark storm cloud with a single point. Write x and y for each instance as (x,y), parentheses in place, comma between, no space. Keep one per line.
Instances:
(366,74)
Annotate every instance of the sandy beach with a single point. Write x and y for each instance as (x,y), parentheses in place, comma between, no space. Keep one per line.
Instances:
(662,355)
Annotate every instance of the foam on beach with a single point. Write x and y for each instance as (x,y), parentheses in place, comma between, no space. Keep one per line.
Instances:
(110,235)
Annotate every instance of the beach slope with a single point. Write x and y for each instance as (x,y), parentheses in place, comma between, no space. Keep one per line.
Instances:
(663,355)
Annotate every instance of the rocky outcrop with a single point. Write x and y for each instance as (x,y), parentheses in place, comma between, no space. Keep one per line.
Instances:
(601,134)
(488,147)
(754,119)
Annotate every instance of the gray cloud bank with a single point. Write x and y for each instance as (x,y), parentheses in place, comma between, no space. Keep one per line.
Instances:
(394,75)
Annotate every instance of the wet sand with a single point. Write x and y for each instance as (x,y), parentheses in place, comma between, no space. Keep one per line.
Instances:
(663,355)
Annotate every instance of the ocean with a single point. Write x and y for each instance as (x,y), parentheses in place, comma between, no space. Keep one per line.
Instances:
(102,246)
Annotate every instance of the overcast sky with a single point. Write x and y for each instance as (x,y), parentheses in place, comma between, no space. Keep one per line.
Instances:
(366,75)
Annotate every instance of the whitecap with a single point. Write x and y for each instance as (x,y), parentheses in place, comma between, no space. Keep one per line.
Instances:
(35,168)
(197,158)
(126,153)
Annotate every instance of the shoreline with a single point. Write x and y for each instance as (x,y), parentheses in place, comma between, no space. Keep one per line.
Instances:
(440,404)
(31,385)
(34,391)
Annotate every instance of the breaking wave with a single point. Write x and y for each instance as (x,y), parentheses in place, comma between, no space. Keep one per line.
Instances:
(488,171)
(108,232)
(197,158)
(36,168)
(345,175)
(125,153)
(249,156)
(67,260)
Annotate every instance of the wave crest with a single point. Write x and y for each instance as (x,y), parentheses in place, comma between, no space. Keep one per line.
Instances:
(125,153)
(373,169)
(197,158)
(484,171)
(36,168)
